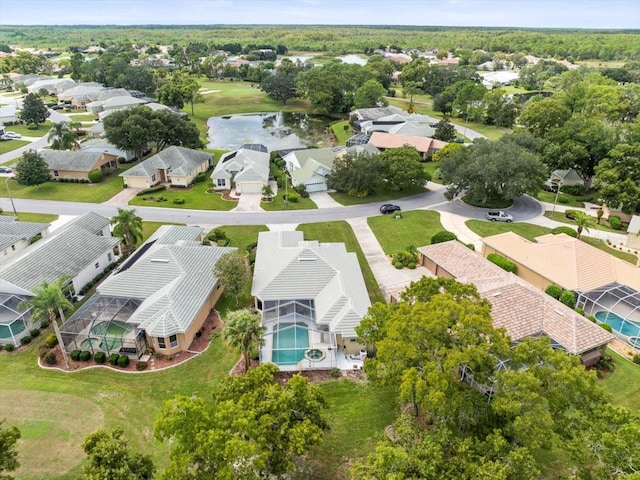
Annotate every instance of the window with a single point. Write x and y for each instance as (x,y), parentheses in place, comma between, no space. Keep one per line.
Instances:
(173,340)
(222,182)
(13,247)
(97,265)
(109,256)
(153,177)
(161,343)
(55,173)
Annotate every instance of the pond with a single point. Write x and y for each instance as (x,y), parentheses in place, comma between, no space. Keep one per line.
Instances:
(276,131)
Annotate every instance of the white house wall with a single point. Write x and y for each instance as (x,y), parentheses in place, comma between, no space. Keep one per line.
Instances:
(90,271)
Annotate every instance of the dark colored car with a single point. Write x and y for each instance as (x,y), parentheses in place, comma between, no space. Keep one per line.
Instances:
(389,208)
(458,140)
(5,170)
(57,107)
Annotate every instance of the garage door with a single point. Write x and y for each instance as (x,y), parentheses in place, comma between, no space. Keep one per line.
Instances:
(316,187)
(251,187)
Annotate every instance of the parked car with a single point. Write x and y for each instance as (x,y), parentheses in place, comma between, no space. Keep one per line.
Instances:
(11,135)
(57,107)
(5,169)
(499,216)
(389,208)
(458,140)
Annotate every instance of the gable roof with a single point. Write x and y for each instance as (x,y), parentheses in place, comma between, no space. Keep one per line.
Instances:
(244,164)
(288,267)
(566,261)
(71,160)
(13,231)
(517,306)
(173,282)
(65,252)
(180,161)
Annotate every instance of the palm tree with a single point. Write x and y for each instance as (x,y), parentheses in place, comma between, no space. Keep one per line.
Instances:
(50,300)
(128,226)
(583,221)
(244,332)
(61,137)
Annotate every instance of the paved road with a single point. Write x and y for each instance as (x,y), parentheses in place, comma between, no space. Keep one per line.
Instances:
(523,209)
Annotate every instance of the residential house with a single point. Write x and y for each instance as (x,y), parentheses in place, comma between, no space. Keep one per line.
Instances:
(77,164)
(102,145)
(605,286)
(81,94)
(51,85)
(245,169)
(522,310)
(425,146)
(16,236)
(158,299)
(498,79)
(311,297)
(311,167)
(563,178)
(8,116)
(101,96)
(122,102)
(78,252)
(177,166)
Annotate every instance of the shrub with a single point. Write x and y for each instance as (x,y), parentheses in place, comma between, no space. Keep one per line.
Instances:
(570,213)
(44,324)
(606,326)
(1,347)
(336,373)
(156,188)
(398,265)
(123,361)
(178,201)
(100,357)
(563,199)
(592,318)
(292,197)
(411,266)
(85,355)
(9,347)
(575,190)
(615,222)
(301,189)
(113,358)
(43,349)
(554,290)
(636,359)
(51,340)
(95,176)
(50,358)
(26,339)
(140,366)
(75,355)
(568,298)
(34,332)
(251,247)
(443,236)
(201,177)
(579,310)
(471,246)
(566,230)
(502,262)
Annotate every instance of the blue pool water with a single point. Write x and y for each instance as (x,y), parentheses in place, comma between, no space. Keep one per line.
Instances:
(625,327)
(289,344)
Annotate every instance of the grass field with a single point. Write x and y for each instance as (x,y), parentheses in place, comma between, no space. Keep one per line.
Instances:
(11,145)
(24,130)
(33,217)
(341,231)
(195,198)
(83,117)
(604,225)
(278,203)
(624,383)
(342,134)
(242,235)
(415,228)
(344,199)
(550,197)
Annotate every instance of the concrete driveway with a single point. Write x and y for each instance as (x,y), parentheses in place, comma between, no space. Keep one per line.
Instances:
(249,202)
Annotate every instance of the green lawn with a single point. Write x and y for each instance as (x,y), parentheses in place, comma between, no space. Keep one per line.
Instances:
(415,228)
(278,203)
(341,231)
(344,199)
(550,197)
(83,117)
(77,192)
(339,131)
(624,384)
(430,168)
(530,231)
(195,198)
(604,225)
(25,130)
(33,217)
(357,416)
(10,146)
(242,235)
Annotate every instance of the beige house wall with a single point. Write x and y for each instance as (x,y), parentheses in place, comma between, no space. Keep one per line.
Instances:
(348,345)
(137,182)
(185,339)
(434,268)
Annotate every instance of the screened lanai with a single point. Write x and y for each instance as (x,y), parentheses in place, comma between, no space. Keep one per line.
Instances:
(618,306)
(101,324)
(14,323)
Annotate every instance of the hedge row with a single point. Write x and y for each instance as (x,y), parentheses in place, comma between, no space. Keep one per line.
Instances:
(156,188)
(502,262)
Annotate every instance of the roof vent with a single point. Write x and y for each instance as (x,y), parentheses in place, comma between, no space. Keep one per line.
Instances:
(559,312)
(306,259)
(497,294)
(159,260)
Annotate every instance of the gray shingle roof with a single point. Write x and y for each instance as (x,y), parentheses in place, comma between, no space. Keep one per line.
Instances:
(174,282)
(181,161)
(287,267)
(73,160)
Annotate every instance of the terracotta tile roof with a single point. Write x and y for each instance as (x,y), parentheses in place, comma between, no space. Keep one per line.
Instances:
(388,140)
(517,306)
(566,261)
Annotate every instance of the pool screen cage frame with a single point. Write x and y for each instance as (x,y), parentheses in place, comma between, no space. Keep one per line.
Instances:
(98,309)
(615,298)
(11,316)
(279,315)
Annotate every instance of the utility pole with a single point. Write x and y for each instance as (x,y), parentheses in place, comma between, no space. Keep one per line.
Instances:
(6,182)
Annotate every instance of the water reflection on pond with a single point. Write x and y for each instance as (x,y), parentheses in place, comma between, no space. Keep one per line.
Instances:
(276,131)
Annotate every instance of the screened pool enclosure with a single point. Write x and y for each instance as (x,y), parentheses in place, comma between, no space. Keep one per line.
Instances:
(618,306)
(14,323)
(102,325)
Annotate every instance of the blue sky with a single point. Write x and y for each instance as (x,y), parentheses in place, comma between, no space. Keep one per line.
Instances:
(489,13)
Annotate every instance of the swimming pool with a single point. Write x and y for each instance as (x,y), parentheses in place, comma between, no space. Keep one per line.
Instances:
(289,344)
(618,324)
